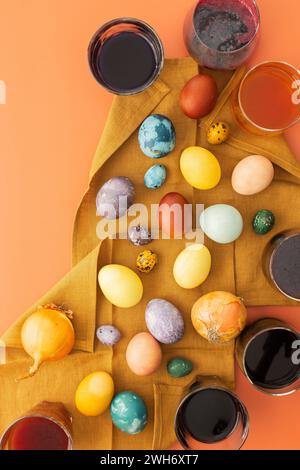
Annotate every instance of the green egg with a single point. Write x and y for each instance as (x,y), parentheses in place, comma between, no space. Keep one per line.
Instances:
(263,222)
(179,367)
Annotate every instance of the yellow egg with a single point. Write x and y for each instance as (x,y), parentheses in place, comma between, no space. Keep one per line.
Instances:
(200,168)
(120,285)
(192,266)
(94,394)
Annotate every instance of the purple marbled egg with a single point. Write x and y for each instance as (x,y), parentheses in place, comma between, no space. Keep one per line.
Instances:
(108,335)
(115,197)
(164,321)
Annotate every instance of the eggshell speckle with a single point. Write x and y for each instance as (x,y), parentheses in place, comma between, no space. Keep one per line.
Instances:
(192,266)
(143,354)
(252,175)
(164,321)
(221,223)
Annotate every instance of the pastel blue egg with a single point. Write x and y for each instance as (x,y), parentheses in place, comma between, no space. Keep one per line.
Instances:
(157,136)
(128,412)
(155,177)
(221,223)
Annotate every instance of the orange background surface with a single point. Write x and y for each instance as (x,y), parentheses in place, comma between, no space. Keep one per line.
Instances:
(49,130)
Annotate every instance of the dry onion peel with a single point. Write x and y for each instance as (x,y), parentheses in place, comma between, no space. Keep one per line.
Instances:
(47,335)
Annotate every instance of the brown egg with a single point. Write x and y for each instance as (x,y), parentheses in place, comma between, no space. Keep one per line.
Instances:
(252,175)
(143,354)
(171,214)
(199,96)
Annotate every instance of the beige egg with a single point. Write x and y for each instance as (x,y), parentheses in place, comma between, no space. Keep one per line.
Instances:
(252,175)
(143,354)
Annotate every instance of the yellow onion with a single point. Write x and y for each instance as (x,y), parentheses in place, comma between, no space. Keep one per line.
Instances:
(47,335)
(219,316)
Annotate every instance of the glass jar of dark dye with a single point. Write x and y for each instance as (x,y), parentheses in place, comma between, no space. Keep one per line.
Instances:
(125,56)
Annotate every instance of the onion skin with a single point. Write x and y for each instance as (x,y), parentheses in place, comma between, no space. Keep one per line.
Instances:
(47,335)
(219,316)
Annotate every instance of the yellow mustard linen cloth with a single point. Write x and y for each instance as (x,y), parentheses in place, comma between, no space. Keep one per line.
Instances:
(236,267)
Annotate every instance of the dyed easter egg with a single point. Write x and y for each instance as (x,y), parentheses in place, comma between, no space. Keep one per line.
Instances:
(128,412)
(218,133)
(155,177)
(199,96)
(263,222)
(115,197)
(172,215)
(143,354)
(139,235)
(192,266)
(94,394)
(200,168)
(120,285)
(179,367)
(157,136)
(252,175)
(221,223)
(108,335)
(164,321)
(146,261)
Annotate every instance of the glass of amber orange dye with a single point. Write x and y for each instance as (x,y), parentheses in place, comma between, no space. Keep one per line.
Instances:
(267,101)
(47,426)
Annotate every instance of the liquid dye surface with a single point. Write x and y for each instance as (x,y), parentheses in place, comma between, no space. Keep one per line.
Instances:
(126,61)
(268,359)
(209,415)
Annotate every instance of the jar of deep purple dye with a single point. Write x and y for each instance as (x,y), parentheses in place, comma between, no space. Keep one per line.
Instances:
(222,34)
(125,56)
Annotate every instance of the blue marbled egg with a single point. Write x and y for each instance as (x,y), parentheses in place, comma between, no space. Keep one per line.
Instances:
(155,177)
(128,412)
(108,335)
(157,136)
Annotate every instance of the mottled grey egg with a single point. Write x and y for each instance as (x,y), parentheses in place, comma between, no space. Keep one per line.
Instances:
(164,321)
(108,335)
(139,235)
(115,197)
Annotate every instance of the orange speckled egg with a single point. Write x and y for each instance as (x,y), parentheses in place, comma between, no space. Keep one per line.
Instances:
(143,354)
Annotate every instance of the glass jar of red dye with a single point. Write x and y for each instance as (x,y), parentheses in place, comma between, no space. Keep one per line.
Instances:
(47,426)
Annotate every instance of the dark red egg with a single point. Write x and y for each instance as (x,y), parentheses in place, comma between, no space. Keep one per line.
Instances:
(172,215)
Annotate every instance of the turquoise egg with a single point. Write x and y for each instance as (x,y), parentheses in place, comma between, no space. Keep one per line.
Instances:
(128,412)
(155,177)
(157,136)
(221,223)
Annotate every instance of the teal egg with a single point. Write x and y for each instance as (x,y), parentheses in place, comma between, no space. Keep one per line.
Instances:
(128,412)
(221,223)
(157,136)
(179,367)
(263,222)
(155,177)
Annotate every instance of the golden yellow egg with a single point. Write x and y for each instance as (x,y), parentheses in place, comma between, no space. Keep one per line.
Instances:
(94,394)
(200,168)
(218,133)
(146,261)
(120,285)
(192,266)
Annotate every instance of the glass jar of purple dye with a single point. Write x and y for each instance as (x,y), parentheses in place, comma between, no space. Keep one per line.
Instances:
(222,34)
